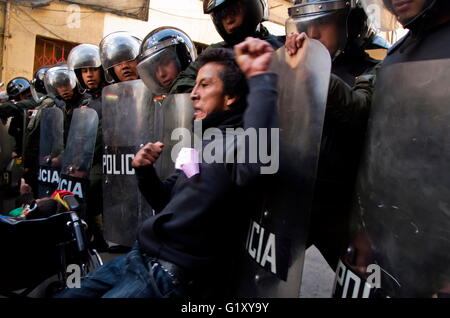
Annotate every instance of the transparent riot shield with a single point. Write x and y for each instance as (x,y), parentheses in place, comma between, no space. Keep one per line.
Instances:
(400,238)
(51,147)
(128,123)
(275,245)
(79,152)
(6,148)
(173,127)
(11,168)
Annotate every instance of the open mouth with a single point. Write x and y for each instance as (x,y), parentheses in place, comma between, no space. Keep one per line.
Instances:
(197,112)
(127,74)
(167,83)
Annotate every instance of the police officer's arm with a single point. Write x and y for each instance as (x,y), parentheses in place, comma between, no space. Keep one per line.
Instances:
(9,109)
(253,57)
(155,191)
(350,105)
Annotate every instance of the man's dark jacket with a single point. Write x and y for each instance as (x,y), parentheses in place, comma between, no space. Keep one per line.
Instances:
(198,218)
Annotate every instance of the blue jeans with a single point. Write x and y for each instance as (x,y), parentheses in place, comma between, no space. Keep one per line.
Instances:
(133,275)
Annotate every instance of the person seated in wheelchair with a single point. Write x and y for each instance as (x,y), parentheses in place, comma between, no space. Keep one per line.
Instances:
(48,236)
(31,209)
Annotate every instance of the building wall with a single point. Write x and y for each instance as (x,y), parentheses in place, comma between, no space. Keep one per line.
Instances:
(57,21)
(2,37)
(186,15)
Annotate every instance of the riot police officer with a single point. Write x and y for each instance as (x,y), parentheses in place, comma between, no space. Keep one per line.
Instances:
(118,52)
(400,220)
(84,60)
(164,53)
(234,20)
(20,101)
(31,149)
(61,84)
(343,27)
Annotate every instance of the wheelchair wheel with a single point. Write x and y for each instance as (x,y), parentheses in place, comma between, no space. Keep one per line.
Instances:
(93,261)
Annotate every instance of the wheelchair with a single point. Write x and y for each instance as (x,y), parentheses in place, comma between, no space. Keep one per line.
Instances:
(34,251)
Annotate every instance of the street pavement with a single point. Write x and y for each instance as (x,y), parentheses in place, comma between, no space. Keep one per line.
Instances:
(318,277)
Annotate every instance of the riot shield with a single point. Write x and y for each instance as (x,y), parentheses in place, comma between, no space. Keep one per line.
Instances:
(173,124)
(79,152)
(11,168)
(128,120)
(401,218)
(51,146)
(6,148)
(275,245)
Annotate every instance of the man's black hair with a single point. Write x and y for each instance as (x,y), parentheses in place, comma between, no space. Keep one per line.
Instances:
(234,81)
(46,208)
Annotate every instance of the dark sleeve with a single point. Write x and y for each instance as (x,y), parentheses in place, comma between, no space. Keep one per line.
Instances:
(261,115)
(8,109)
(27,104)
(156,192)
(185,81)
(261,111)
(350,105)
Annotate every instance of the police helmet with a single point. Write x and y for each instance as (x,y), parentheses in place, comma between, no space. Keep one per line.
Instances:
(164,53)
(17,86)
(352,28)
(255,11)
(38,80)
(116,48)
(84,56)
(59,76)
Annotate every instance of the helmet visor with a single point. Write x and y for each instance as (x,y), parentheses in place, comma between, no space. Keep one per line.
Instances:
(330,28)
(117,48)
(209,5)
(159,70)
(58,79)
(84,55)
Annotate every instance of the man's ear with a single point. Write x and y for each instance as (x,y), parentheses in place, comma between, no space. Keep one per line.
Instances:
(230,100)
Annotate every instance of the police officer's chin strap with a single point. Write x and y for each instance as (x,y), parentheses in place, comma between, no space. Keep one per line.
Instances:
(411,23)
(419,25)
(338,53)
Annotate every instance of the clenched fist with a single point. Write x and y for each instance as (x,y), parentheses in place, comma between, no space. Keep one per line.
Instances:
(294,42)
(147,155)
(253,56)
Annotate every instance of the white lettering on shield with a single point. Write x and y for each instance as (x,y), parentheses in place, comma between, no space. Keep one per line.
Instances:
(261,246)
(48,176)
(74,187)
(118,164)
(351,285)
